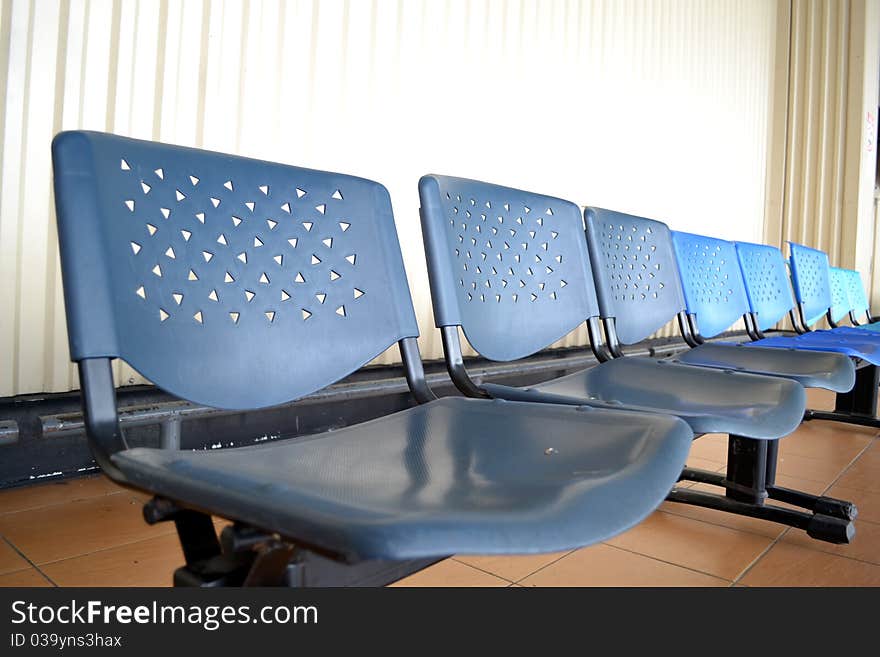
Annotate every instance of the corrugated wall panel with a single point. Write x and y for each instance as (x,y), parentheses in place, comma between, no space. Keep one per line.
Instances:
(822,172)
(653,107)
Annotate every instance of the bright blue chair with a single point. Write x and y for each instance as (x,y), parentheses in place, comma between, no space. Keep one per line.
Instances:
(715,298)
(770,299)
(847,299)
(511,269)
(858,302)
(243,284)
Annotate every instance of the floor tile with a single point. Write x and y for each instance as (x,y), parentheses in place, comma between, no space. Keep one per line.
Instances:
(867,502)
(10,560)
(733,521)
(861,475)
(821,400)
(67,530)
(702,546)
(604,565)
(804,485)
(831,442)
(791,565)
(705,464)
(451,573)
(803,467)
(145,563)
(711,447)
(871,455)
(56,492)
(513,568)
(865,545)
(30,578)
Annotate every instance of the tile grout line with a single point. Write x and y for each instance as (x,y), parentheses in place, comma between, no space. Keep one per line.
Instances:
(669,563)
(107,548)
(517,581)
(483,570)
(51,504)
(25,557)
(783,534)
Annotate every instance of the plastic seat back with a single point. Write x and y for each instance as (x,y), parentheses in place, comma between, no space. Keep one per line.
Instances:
(766,280)
(635,271)
(811,281)
(712,281)
(227,281)
(856,292)
(838,280)
(508,266)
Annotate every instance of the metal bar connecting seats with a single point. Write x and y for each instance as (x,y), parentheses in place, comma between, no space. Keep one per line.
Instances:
(242,284)
(770,299)
(715,296)
(511,269)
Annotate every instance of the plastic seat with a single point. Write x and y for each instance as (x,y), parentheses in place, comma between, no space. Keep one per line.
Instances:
(243,284)
(710,401)
(457,475)
(715,297)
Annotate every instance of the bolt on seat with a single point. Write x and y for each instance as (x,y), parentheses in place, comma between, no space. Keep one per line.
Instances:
(243,284)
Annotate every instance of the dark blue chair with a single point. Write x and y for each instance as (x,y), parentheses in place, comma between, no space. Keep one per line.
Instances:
(243,284)
(770,299)
(511,269)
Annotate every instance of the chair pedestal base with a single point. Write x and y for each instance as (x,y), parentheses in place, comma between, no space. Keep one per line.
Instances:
(751,480)
(859,405)
(820,527)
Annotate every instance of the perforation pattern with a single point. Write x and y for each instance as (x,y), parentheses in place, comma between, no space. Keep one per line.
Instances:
(840,301)
(223,250)
(810,278)
(635,271)
(505,253)
(766,280)
(711,281)
(513,261)
(240,265)
(856,291)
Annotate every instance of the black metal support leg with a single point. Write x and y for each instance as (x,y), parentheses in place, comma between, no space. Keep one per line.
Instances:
(859,405)
(746,479)
(823,528)
(751,479)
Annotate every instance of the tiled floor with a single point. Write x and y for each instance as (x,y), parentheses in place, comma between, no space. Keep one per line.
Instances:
(90,532)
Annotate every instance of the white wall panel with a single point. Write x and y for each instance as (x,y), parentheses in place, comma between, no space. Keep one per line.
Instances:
(653,107)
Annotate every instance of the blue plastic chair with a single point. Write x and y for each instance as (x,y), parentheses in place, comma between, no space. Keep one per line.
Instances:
(715,297)
(242,284)
(858,302)
(511,269)
(847,299)
(770,299)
